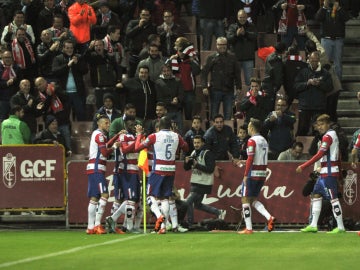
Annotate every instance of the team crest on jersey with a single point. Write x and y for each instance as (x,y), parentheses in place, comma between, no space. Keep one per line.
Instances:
(9,170)
(251,149)
(350,188)
(324,144)
(101,138)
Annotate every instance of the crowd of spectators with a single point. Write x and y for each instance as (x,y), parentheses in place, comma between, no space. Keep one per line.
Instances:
(57,55)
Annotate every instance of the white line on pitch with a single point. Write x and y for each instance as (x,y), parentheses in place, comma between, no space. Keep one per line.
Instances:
(36,258)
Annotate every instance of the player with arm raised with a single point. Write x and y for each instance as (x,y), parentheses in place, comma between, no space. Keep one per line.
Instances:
(164,144)
(98,192)
(326,185)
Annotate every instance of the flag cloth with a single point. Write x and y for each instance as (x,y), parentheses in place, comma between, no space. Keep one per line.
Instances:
(143,161)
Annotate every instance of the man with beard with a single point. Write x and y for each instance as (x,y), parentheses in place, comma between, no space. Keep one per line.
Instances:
(154,62)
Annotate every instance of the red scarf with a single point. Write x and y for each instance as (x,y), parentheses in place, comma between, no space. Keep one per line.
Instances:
(56,104)
(8,72)
(18,53)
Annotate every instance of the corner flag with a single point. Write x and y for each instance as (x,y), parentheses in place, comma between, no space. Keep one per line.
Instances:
(143,161)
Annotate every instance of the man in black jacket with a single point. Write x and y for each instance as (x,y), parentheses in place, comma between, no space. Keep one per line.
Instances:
(312,84)
(225,75)
(221,139)
(202,163)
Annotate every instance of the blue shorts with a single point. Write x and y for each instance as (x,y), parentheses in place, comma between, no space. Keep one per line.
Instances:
(97,185)
(160,185)
(118,194)
(252,188)
(130,186)
(326,187)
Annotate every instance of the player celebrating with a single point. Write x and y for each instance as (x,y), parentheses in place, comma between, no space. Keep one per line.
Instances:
(129,178)
(254,176)
(98,192)
(165,144)
(326,185)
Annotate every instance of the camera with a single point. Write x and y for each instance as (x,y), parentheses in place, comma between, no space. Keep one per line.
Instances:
(314,175)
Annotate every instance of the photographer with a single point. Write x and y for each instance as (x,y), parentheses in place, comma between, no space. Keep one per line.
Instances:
(202,163)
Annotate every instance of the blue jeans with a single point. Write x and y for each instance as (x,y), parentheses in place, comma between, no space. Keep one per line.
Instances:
(77,103)
(288,38)
(334,51)
(65,132)
(210,27)
(194,200)
(247,68)
(188,104)
(227,98)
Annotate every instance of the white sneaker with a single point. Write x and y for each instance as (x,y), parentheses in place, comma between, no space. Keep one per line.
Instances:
(168,227)
(222,214)
(182,229)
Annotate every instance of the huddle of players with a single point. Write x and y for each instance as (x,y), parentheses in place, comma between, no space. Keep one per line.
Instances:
(160,182)
(127,188)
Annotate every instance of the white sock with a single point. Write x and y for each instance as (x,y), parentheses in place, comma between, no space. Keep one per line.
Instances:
(173,214)
(247,215)
(91,214)
(114,207)
(316,204)
(165,208)
(139,215)
(337,211)
(100,210)
(154,207)
(130,213)
(261,209)
(120,211)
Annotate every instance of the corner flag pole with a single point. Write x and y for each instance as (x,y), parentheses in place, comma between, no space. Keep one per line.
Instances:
(144,199)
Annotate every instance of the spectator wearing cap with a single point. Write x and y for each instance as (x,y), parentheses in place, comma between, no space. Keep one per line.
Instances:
(51,135)
(185,66)
(107,109)
(104,17)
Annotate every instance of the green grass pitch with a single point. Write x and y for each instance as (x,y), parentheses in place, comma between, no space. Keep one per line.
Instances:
(73,249)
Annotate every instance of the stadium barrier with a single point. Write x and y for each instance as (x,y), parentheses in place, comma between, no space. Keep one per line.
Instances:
(281,194)
(33,177)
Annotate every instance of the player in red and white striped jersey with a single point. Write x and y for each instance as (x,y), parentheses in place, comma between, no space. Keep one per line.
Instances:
(254,176)
(98,192)
(164,144)
(326,186)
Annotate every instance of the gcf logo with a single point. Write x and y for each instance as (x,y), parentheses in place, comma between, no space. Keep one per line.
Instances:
(9,170)
(350,188)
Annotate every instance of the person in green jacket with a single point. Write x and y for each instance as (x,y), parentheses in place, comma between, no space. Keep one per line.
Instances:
(13,130)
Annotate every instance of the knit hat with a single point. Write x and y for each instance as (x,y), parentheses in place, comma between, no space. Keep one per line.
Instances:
(108,95)
(103,3)
(49,119)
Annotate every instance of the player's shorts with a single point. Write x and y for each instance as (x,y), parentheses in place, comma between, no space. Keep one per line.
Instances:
(160,185)
(130,186)
(252,188)
(326,187)
(97,185)
(118,193)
